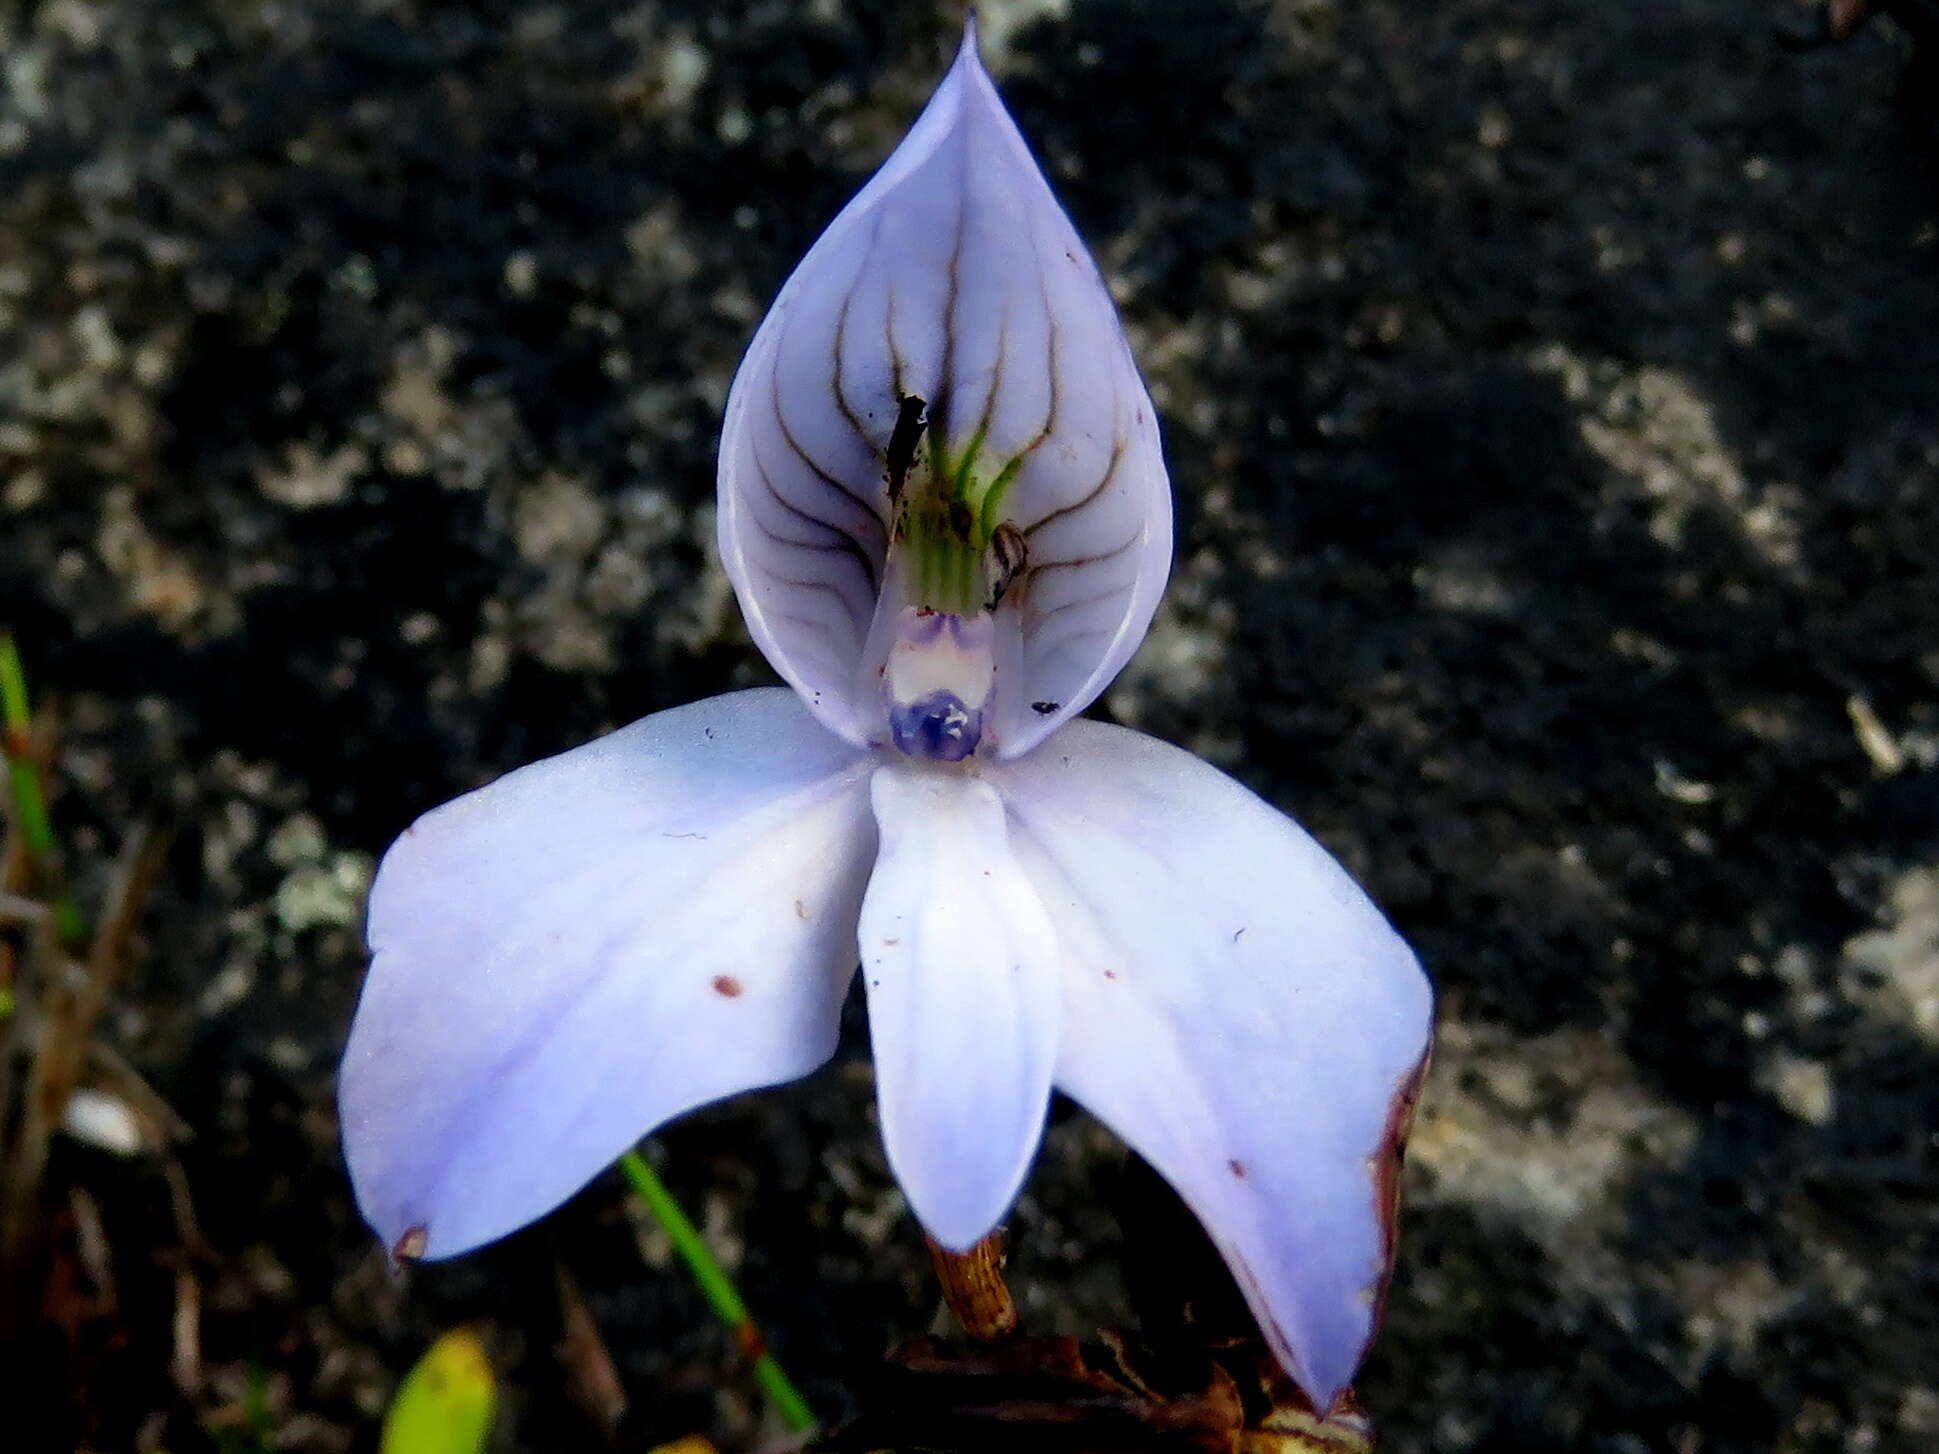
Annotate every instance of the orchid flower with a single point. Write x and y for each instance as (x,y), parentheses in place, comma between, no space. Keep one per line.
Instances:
(944,510)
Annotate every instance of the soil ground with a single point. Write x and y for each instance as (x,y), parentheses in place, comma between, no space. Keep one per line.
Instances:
(1552,396)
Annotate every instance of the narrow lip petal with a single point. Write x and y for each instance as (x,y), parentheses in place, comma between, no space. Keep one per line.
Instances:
(594,944)
(1240,1013)
(960,965)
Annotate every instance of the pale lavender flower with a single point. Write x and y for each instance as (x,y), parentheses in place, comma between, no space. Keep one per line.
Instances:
(944,510)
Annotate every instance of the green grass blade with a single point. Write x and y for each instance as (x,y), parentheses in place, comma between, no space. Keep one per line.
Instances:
(718,1289)
(30,804)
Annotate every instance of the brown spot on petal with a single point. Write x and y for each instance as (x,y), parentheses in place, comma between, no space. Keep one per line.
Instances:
(1237,1168)
(410,1247)
(726,986)
(801,911)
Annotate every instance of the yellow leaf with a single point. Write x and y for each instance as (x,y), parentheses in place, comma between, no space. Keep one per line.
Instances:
(444,1405)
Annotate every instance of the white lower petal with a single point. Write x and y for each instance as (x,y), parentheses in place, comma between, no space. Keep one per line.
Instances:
(1239,1011)
(960,963)
(591,945)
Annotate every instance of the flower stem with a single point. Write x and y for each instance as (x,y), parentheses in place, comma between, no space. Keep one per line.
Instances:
(30,806)
(974,1288)
(718,1289)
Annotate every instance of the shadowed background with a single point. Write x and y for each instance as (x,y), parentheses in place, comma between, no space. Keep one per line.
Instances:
(1552,397)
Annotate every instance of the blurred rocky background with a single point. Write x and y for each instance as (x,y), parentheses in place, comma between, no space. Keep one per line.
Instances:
(1552,395)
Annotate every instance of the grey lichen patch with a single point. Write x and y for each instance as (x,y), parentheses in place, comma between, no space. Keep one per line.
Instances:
(1484,1138)
(1180,668)
(296,842)
(521,274)
(1732,1303)
(490,657)
(600,561)
(1919,1411)
(159,579)
(1659,432)
(557,520)
(1464,580)
(683,67)
(670,69)
(464,440)
(1894,970)
(998,21)
(327,895)
(659,240)
(306,477)
(414,395)
(323,887)
(556,524)
(1803,1086)
(618,582)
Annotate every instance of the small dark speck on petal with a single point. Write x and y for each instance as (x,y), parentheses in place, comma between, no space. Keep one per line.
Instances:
(1238,1169)
(1044,709)
(410,1247)
(708,733)
(1236,933)
(726,986)
(891,941)
(1110,974)
(701,836)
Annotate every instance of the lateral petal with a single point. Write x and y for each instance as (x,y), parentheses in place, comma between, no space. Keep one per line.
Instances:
(1236,1009)
(960,963)
(591,945)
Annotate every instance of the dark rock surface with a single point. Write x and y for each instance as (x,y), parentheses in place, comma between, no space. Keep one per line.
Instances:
(1552,396)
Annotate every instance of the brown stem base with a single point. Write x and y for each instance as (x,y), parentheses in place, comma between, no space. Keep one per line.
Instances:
(974,1288)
